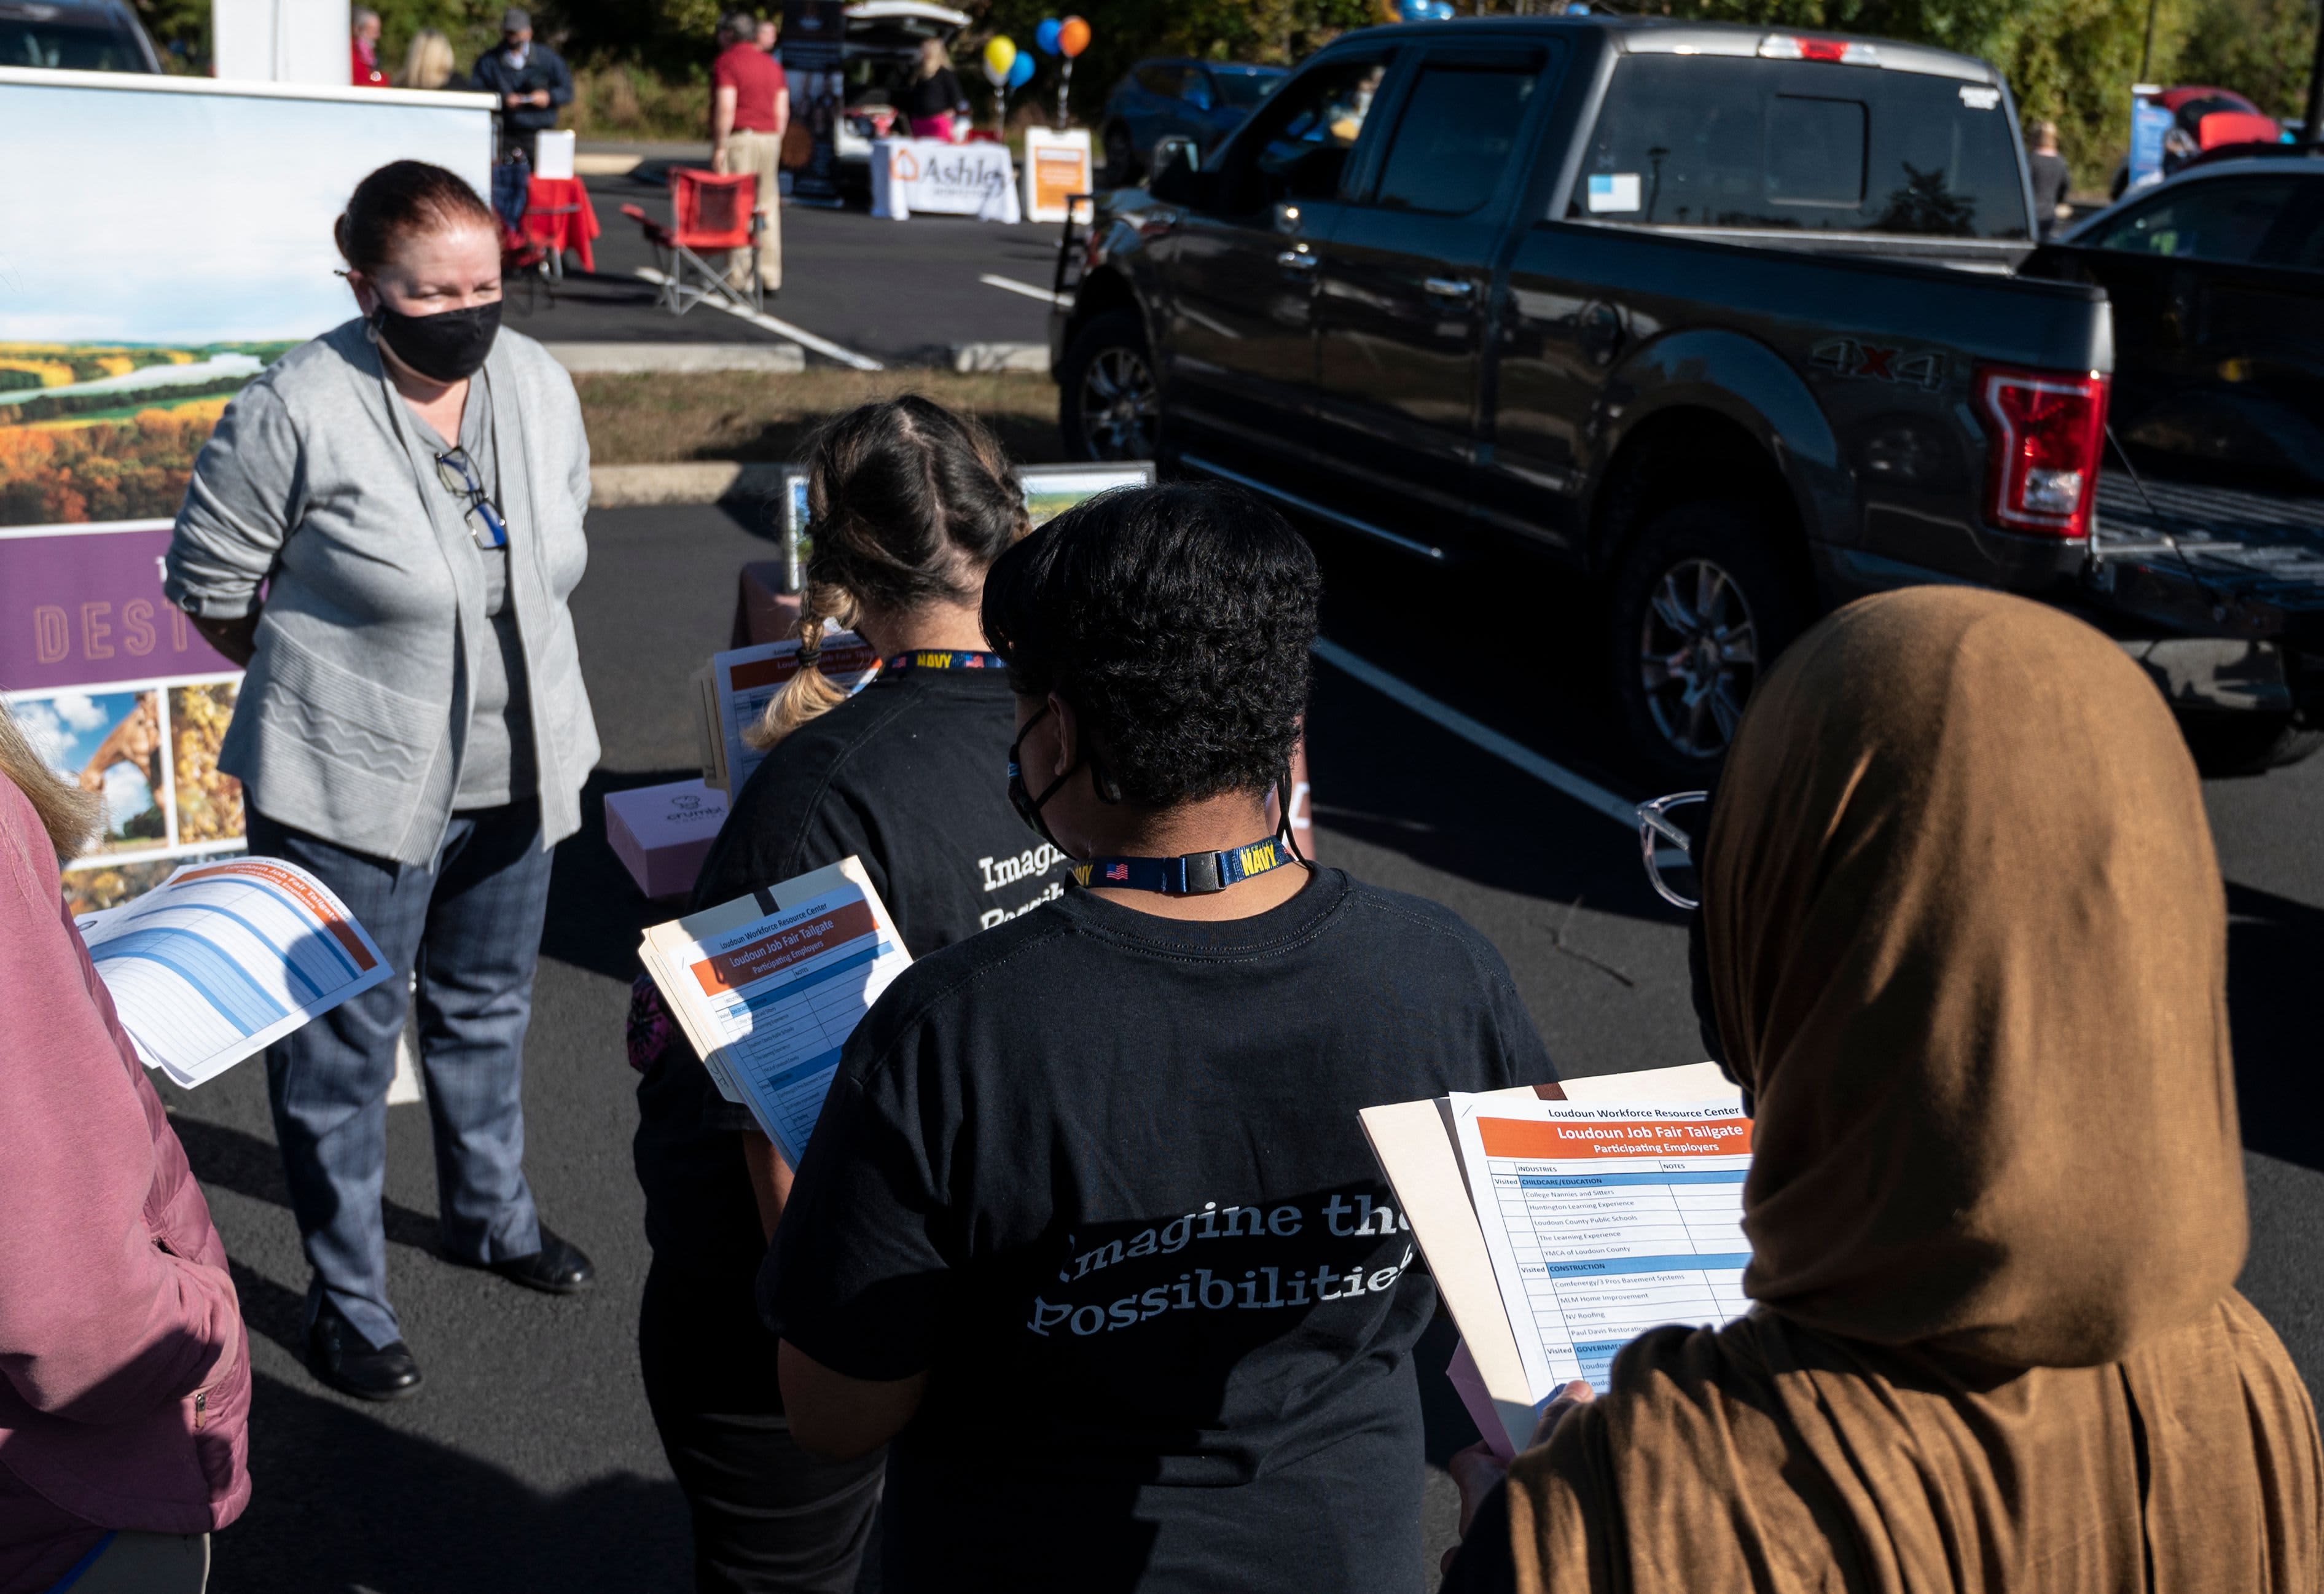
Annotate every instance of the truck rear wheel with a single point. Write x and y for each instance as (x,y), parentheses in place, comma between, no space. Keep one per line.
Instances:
(1701,604)
(1109,403)
(2246,744)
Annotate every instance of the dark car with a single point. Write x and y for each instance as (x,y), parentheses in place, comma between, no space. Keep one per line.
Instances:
(2216,281)
(1724,323)
(74,36)
(1203,101)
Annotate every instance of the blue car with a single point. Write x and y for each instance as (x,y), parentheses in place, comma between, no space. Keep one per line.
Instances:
(1201,100)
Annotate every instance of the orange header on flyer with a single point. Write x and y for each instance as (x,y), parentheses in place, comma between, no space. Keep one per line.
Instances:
(779,949)
(259,869)
(1614,1137)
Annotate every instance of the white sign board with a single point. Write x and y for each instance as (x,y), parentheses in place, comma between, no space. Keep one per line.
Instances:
(284,41)
(926,174)
(1056,164)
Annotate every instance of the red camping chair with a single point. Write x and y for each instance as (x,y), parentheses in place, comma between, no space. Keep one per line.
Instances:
(712,212)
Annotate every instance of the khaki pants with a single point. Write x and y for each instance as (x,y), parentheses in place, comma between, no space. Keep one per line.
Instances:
(149,1563)
(761,154)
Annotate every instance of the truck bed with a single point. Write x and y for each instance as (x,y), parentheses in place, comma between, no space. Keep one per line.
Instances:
(2211,561)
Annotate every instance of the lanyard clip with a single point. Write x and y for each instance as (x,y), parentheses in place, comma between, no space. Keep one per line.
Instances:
(1202,873)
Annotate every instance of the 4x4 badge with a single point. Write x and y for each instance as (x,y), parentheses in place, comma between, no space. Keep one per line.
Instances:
(1846,356)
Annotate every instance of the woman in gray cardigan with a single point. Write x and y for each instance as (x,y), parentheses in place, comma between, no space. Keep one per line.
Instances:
(409,490)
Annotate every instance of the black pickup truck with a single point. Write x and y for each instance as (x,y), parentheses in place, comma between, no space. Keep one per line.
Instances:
(1732,321)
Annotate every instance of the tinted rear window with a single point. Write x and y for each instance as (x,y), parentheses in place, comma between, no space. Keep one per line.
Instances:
(56,44)
(1243,89)
(1699,140)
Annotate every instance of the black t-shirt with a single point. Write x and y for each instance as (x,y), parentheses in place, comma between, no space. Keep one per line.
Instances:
(935,94)
(910,775)
(1100,1173)
(2050,180)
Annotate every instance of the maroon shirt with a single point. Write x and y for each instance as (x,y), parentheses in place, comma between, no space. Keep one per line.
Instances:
(115,1308)
(756,78)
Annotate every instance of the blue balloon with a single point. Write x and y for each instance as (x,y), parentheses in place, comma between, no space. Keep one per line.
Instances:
(1413,11)
(1020,70)
(1045,37)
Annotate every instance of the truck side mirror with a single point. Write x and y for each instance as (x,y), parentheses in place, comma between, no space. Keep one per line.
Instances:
(1178,178)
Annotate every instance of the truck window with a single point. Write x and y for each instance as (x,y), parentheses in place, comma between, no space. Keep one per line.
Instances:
(2223,218)
(1715,141)
(35,40)
(1301,138)
(1458,129)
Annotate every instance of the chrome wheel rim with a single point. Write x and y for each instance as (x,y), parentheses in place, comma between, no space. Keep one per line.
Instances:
(1120,405)
(1698,657)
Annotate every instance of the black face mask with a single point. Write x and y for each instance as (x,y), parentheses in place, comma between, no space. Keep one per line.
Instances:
(1027,805)
(446,347)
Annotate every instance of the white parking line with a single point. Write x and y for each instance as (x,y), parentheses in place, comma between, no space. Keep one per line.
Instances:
(1586,792)
(1012,285)
(800,335)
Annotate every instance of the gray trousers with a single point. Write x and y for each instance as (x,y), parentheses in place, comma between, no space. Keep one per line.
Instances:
(470,927)
(149,1563)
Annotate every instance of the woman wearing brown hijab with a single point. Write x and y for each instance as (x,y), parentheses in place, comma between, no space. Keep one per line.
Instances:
(1966,944)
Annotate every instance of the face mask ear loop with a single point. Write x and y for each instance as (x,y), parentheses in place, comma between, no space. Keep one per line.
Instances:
(1290,832)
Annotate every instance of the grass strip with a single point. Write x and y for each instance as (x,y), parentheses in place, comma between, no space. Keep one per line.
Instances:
(663,419)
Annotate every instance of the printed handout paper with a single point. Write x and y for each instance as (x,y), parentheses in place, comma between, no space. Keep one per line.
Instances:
(742,681)
(768,988)
(223,959)
(1604,1219)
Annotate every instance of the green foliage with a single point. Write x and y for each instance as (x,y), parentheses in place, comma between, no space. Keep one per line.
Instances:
(2261,48)
(624,102)
(1123,31)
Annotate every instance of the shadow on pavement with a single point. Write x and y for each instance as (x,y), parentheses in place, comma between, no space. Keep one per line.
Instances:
(595,913)
(2274,946)
(456,1521)
(235,1159)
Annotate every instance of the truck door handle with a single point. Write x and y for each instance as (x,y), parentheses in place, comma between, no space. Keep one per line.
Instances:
(1450,287)
(1296,260)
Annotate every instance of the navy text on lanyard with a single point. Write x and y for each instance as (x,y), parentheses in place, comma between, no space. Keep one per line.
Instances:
(940,658)
(1196,874)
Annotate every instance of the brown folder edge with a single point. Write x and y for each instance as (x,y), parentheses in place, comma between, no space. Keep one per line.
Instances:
(1413,1143)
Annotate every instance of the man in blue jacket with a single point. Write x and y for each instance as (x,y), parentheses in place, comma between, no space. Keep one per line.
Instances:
(531,81)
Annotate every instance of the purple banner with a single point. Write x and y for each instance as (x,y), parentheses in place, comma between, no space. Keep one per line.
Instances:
(82,607)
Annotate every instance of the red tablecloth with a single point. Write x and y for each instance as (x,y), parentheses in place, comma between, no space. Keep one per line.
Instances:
(558,217)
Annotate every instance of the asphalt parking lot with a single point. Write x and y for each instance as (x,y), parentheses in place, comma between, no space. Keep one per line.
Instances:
(903,293)
(528,1461)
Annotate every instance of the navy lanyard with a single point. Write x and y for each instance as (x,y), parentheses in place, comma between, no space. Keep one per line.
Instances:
(941,658)
(1196,874)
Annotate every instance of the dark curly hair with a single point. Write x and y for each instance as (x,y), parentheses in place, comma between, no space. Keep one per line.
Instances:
(1177,620)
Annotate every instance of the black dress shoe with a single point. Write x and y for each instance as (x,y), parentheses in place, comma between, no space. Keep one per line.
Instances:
(558,1268)
(347,1361)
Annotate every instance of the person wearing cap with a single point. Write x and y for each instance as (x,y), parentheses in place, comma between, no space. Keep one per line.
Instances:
(528,79)
(750,107)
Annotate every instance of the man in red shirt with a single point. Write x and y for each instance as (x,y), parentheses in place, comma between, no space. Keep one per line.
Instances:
(750,107)
(362,54)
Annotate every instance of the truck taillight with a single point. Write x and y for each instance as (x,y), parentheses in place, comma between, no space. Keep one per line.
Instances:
(2047,433)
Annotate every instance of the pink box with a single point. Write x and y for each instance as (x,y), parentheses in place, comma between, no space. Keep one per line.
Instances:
(661,833)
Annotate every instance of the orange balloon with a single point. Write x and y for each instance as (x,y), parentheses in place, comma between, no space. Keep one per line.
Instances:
(1072,36)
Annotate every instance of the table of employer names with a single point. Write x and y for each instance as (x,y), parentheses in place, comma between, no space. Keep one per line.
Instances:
(1612,1251)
